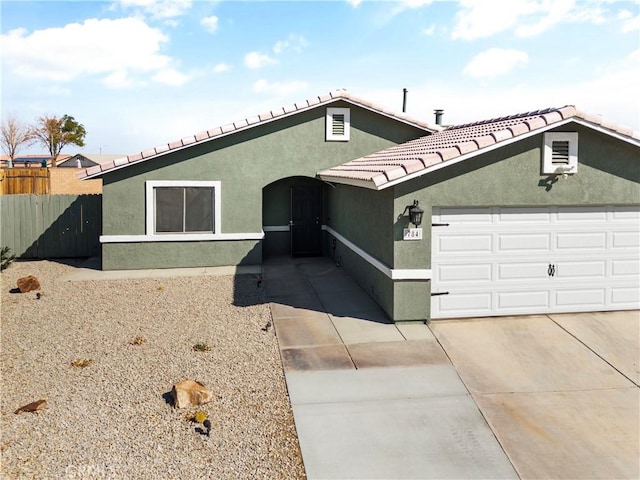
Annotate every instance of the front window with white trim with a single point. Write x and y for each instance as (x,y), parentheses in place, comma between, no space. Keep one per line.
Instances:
(182,207)
(338,123)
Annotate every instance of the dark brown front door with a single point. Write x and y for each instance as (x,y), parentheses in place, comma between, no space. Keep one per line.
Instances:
(305,226)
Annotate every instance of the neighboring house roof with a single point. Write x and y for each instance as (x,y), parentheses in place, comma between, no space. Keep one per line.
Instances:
(457,143)
(35,159)
(89,159)
(247,123)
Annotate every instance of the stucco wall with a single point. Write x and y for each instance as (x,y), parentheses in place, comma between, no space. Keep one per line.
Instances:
(244,163)
(132,256)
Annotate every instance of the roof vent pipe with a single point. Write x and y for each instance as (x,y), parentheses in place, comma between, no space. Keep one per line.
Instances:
(404,100)
(439,113)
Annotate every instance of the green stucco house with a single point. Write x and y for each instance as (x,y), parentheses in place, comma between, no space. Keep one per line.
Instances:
(532,213)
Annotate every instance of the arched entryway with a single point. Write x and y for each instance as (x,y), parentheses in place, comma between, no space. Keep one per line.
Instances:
(292,217)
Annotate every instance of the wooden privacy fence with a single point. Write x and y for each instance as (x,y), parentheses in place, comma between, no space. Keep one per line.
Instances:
(25,180)
(51,226)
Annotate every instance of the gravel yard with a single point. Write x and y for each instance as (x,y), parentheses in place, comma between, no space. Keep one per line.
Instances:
(112,418)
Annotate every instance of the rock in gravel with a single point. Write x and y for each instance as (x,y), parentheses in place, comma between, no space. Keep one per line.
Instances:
(32,407)
(28,284)
(189,392)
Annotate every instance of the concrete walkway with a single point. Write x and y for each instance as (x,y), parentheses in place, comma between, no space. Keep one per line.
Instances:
(372,399)
(512,397)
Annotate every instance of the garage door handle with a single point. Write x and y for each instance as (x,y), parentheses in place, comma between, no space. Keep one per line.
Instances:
(551,270)
(439,293)
(439,224)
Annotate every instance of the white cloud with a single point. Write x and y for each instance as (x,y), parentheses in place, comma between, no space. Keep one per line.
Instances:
(255,60)
(556,12)
(481,19)
(495,62)
(222,67)
(170,77)
(123,52)
(354,3)
(415,3)
(630,23)
(429,31)
(210,23)
(119,79)
(297,43)
(158,9)
(278,88)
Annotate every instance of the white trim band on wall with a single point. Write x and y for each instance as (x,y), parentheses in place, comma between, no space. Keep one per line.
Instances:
(392,273)
(181,237)
(275,228)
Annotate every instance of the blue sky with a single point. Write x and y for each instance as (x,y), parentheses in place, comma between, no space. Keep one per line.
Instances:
(141,73)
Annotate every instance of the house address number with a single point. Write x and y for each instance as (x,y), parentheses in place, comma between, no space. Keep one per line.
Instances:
(412,234)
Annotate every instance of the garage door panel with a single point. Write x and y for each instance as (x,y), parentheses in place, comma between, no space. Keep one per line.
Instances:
(591,241)
(535,260)
(465,273)
(628,297)
(579,298)
(524,242)
(523,272)
(581,214)
(580,269)
(624,213)
(510,215)
(465,215)
(464,303)
(448,244)
(624,240)
(625,268)
(523,300)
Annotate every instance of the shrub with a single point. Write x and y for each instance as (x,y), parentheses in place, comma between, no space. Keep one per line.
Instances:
(6,258)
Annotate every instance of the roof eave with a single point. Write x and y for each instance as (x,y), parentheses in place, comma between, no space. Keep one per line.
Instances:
(595,126)
(348,181)
(310,106)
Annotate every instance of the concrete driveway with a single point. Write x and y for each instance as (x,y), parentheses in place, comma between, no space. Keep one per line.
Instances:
(547,396)
(560,392)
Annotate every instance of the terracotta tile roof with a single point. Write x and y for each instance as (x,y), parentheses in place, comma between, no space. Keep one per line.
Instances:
(423,155)
(249,123)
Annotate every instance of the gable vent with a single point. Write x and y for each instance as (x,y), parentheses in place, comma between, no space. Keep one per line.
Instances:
(560,155)
(560,152)
(337,124)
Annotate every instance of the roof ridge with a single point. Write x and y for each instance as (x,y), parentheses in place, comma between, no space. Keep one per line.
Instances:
(516,116)
(248,122)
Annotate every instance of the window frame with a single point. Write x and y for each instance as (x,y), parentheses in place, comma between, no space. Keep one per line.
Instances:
(551,168)
(329,135)
(150,210)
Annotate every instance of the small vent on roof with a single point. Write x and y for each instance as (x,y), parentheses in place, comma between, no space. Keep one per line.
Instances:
(337,124)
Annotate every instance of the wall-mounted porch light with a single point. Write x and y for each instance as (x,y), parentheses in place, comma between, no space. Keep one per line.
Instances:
(415,213)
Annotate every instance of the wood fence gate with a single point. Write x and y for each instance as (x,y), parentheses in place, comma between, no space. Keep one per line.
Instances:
(51,226)
(25,181)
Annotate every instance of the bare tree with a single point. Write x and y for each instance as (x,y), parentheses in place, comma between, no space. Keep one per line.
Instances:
(56,132)
(14,134)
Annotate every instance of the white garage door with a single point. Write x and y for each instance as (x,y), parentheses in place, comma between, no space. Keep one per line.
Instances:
(510,261)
